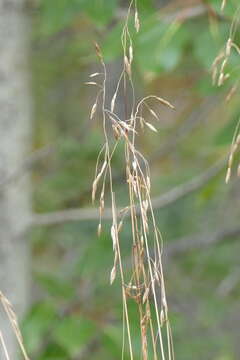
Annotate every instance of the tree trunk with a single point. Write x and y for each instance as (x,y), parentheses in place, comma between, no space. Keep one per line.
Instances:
(15,114)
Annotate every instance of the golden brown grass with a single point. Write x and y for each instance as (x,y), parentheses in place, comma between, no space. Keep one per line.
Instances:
(14,323)
(146,284)
(219,76)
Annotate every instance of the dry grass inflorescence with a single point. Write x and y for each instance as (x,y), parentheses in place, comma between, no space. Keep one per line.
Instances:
(145,286)
(219,76)
(7,307)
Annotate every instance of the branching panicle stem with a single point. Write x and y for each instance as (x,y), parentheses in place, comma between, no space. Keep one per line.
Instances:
(146,284)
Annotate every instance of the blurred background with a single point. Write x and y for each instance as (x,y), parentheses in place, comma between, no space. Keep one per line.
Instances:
(49,148)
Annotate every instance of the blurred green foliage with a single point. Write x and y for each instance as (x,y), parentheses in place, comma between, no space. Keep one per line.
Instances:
(75,312)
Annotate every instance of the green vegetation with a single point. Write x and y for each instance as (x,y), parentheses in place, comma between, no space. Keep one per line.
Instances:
(76,314)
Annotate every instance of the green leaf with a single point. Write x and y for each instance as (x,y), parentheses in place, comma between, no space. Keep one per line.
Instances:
(38,322)
(112,46)
(54,352)
(101,11)
(112,340)
(56,287)
(74,333)
(159,46)
(57,14)
(146,7)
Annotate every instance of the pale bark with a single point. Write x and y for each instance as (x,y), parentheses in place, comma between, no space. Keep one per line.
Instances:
(15,113)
